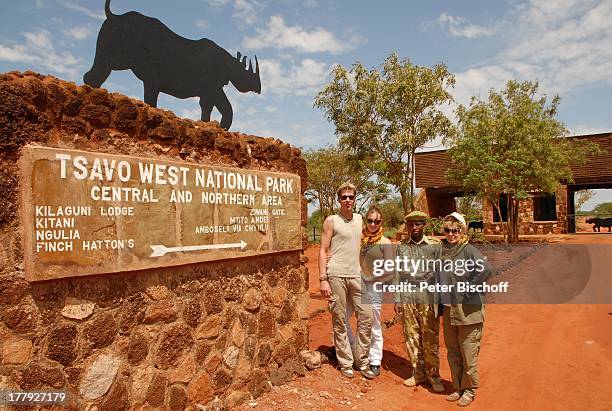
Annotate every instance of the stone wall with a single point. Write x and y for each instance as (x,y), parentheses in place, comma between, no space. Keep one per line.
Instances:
(526,215)
(166,338)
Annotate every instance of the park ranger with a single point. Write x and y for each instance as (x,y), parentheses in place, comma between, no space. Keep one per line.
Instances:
(419,321)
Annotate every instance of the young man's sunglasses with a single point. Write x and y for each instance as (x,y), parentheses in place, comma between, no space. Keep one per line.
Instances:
(347,197)
(372,221)
(452,230)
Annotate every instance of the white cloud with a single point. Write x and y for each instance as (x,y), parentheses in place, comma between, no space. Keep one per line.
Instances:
(192,113)
(217,3)
(39,51)
(202,24)
(544,13)
(40,40)
(277,34)
(458,27)
(478,81)
(82,9)
(79,32)
(15,54)
(563,44)
(244,10)
(259,126)
(298,134)
(571,48)
(190,107)
(304,78)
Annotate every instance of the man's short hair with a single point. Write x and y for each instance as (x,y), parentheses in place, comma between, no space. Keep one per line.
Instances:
(346,186)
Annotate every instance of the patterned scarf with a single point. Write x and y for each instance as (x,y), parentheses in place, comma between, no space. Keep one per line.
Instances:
(450,251)
(368,238)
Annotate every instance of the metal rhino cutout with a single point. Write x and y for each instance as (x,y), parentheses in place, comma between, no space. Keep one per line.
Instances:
(169,63)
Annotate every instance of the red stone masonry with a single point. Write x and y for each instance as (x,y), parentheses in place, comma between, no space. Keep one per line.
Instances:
(167,338)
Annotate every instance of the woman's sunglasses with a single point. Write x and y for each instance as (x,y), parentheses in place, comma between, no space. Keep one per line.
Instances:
(452,230)
(372,221)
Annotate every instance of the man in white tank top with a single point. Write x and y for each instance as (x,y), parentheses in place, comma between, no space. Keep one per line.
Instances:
(340,281)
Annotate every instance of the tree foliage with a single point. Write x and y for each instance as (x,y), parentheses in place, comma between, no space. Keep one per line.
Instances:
(392,211)
(511,144)
(582,196)
(328,168)
(470,206)
(383,116)
(315,219)
(603,209)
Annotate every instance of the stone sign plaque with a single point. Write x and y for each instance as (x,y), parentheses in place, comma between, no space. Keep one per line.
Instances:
(90,213)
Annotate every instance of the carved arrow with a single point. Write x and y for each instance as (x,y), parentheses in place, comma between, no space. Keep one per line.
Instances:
(160,250)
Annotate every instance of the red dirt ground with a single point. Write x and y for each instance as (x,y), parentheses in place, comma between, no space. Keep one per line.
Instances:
(539,357)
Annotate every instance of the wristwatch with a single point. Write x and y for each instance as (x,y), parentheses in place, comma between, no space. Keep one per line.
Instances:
(323,278)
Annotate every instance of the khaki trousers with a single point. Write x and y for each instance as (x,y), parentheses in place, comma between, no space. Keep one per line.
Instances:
(421,331)
(463,344)
(343,290)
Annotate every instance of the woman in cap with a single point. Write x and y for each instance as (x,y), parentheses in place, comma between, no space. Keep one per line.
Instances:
(464,311)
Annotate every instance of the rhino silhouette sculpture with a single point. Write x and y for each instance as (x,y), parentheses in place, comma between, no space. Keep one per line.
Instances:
(169,63)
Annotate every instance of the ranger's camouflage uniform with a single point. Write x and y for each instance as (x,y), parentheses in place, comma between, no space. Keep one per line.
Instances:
(419,322)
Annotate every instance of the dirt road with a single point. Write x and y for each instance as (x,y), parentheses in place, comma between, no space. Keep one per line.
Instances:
(538,357)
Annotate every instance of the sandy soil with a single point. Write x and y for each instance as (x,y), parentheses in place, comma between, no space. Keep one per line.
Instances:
(538,357)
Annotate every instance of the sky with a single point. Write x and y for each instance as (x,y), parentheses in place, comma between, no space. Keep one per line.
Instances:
(563,44)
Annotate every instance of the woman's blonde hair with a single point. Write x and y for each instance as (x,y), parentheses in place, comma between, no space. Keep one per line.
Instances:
(451,223)
(374,209)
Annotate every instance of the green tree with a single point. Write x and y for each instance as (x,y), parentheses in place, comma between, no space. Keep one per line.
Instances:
(582,197)
(383,116)
(392,211)
(509,144)
(328,168)
(314,226)
(603,209)
(470,206)
(315,219)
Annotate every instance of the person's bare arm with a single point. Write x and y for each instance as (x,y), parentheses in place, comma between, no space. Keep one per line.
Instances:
(328,231)
(387,255)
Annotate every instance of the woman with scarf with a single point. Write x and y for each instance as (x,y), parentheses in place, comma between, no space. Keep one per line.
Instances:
(464,312)
(373,247)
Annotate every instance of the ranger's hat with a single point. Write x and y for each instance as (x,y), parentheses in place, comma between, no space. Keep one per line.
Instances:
(415,216)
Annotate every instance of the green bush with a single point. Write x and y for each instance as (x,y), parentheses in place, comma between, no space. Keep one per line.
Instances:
(392,211)
(433,226)
(477,237)
(390,232)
